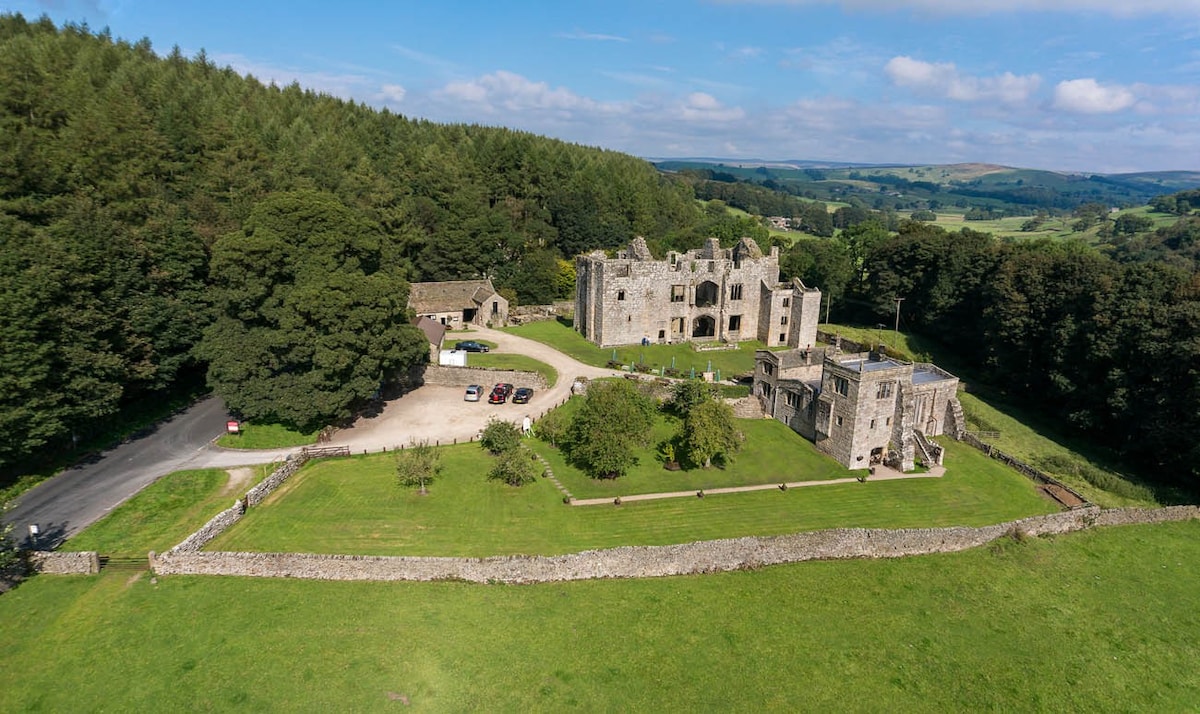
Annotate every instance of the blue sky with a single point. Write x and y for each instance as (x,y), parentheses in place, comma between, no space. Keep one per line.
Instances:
(1080,85)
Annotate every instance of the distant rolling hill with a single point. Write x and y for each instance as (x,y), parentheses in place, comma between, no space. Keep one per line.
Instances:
(993,187)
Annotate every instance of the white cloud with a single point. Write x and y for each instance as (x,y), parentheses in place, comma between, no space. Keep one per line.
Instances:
(1087,96)
(508,91)
(943,79)
(1119,8)
(594,36)
(391,93)
(700,106)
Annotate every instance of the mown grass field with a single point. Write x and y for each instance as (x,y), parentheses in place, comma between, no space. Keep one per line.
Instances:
(771,453)
(1105,620)
(683,356)
(355,506)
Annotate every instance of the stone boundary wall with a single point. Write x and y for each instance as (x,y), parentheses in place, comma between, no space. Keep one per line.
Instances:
(522,314)
(653,561)
(444,376)
(264,488)
(81,562)
(234,513)
(1025,469)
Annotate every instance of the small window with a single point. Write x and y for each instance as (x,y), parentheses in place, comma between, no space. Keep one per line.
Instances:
(872,423)
(662,334)
(677,293)
(735,322)
(495,307)
(783,319)
(787,302)
(783,337)
(620,294)
(841,385)
(735,291)
(768,368)
(884,390)
(887,422)
(712,266)
(837,420)
(793,399)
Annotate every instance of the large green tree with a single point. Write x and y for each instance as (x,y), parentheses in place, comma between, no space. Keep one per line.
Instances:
(614,419)
(310,321)
(710,432)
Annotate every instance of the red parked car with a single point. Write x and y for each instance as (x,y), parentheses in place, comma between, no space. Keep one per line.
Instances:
(500,393)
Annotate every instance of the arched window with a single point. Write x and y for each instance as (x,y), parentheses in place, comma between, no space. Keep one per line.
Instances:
(707,293)
(704,326)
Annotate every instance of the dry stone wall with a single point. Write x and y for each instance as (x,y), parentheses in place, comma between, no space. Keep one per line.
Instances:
(82,562)
(653,561)
(444,376)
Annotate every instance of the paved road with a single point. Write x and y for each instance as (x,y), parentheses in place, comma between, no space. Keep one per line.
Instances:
(79,496)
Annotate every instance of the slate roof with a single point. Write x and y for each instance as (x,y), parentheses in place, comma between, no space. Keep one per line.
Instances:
(434,330)
(449,296)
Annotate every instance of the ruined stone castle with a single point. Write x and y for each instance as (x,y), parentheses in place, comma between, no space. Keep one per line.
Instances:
(862,408)
(710,293)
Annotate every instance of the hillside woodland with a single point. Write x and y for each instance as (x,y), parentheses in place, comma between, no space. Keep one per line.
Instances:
(166,222)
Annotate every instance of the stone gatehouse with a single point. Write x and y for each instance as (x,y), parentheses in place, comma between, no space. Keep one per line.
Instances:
(862,408)
(707,294)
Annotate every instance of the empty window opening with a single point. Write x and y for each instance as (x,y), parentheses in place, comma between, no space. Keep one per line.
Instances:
(706,294)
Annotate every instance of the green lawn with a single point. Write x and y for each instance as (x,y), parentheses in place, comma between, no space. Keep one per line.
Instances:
(354,506)
(164,513)
(1099,621)
(506,360)
(266,436)
(683,355)
(771,453)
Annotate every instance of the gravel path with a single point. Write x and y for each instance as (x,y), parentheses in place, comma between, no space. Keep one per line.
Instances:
(882,473)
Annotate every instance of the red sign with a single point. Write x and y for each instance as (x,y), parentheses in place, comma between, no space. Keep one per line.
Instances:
(233,427)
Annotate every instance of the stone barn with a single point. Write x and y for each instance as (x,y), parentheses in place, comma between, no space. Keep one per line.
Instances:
(457,303)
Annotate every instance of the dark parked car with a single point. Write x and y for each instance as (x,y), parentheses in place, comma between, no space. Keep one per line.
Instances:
(522,395)
(470,346)
(500,394)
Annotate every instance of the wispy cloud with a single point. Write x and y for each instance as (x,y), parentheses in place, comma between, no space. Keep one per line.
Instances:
(942,79)
(344,85)
(444,66)
(1118,8)
(591,36)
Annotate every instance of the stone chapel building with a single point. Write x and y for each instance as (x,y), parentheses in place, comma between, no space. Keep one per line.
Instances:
(707,294)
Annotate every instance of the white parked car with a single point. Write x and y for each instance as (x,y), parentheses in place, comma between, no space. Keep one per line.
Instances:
(474,393)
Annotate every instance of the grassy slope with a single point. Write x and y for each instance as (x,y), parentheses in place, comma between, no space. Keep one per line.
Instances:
(1099,621)
(354,506)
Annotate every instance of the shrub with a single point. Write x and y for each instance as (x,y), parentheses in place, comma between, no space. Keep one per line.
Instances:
(500,436)
(552,428)
(513,468)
